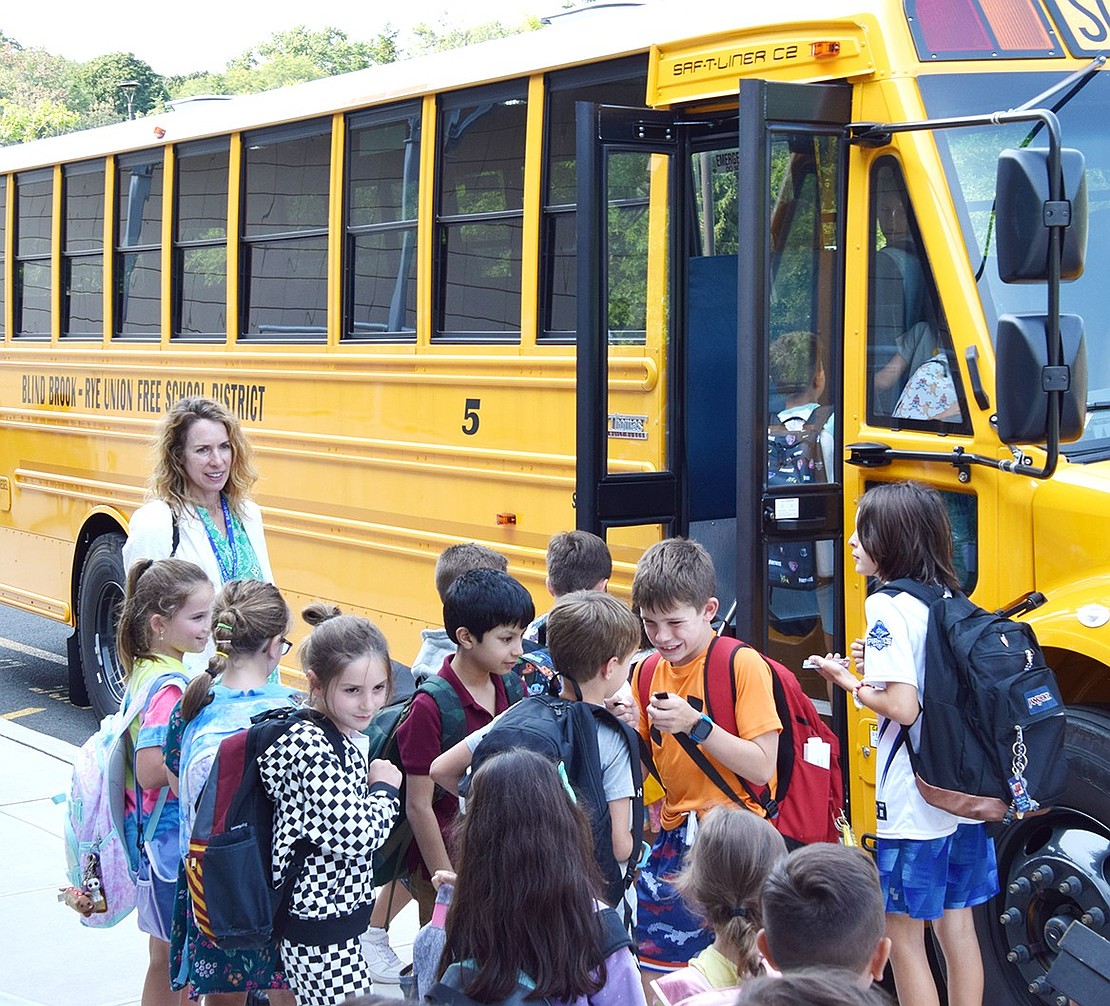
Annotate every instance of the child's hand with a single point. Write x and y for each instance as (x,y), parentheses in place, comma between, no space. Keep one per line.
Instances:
(833,667)
(623,709)
(671,714)
(385,771)
(857,654)
(443,877)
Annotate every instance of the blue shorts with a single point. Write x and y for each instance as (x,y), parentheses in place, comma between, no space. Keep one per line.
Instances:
(667,933)
(922,878)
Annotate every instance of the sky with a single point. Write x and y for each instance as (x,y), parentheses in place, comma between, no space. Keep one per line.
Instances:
(204,34)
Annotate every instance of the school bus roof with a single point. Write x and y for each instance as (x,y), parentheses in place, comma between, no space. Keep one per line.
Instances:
(678,33)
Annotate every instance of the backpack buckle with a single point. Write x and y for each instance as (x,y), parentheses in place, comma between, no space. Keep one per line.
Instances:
(771,807)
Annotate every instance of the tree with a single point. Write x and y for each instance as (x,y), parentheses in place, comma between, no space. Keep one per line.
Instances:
(328,50)
(443,37)
(20,123)
(99,82)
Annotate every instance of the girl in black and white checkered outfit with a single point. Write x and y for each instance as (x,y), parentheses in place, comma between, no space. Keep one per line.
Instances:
(325,794)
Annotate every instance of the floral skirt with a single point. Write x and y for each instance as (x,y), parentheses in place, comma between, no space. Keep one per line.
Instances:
(198,963)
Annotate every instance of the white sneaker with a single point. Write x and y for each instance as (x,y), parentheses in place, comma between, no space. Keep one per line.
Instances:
(385,965)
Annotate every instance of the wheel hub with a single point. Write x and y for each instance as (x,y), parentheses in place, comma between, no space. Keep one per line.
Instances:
(1057,876)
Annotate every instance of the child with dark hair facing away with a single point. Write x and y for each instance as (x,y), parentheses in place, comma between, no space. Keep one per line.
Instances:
(822,907)
(673,590)
(485,613)
(932,865)
(249,622)
(453,561)
(592,637)
(325,793)
(722,879)
(525,914)
(166,613)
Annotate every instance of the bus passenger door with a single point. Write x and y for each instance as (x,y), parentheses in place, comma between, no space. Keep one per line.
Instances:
(789,551)
(627,486)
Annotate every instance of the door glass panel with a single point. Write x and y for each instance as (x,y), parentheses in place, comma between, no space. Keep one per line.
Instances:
(637,309)
(803,357)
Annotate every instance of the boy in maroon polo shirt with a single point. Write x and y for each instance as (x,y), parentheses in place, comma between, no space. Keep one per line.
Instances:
(485,612)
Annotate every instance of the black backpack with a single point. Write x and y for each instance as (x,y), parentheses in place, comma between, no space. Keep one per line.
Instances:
(992,733)
(566,733)
(448,991)
(227,865)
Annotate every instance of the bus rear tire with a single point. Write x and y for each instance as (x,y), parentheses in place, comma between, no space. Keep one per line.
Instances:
(1071,839)
(99,593)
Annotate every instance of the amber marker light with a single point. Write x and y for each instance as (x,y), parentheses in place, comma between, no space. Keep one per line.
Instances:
(505,518)
(825,50)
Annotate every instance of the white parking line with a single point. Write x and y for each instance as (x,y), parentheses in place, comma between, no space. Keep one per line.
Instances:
(32,651)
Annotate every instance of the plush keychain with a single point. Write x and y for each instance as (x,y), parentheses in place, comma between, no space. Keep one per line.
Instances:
(89,897)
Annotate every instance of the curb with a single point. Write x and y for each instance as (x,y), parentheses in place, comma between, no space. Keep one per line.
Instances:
(43,743)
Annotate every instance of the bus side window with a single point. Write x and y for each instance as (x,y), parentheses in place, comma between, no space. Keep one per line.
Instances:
(912,372)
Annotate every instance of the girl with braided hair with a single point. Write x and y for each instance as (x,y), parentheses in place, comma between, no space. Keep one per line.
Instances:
(249,622)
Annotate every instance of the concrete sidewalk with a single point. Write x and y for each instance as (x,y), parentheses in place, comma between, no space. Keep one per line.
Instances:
(47,958)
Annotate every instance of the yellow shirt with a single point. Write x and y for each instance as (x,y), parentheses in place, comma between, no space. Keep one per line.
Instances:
(689,790)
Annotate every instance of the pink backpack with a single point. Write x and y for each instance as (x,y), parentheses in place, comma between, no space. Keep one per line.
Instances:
(99,859)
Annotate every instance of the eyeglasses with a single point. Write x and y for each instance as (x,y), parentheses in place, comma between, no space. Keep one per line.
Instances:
(286,645)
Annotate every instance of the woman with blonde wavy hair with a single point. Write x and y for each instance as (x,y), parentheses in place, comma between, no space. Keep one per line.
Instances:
(199,508)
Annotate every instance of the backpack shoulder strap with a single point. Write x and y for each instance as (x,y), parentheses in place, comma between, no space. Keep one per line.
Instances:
(614,933)
(818,418)
(926,593)
(451,716)
(645,672)
(720,681)
(514,687)
(175,534)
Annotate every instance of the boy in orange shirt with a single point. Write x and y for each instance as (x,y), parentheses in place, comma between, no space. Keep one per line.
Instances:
(674,592)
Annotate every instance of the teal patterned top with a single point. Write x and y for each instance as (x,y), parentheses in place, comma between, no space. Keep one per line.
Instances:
(239,563)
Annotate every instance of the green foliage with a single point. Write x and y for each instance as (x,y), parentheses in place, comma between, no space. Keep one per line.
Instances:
(43,95)
(100,78)
(440,38)
(327,51)
(20,123)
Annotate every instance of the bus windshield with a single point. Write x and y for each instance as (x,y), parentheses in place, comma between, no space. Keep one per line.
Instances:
(971,155)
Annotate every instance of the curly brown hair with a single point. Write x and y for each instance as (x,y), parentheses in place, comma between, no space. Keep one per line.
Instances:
(168,481)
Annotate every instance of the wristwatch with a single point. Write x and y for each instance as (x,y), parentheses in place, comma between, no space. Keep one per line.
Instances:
(701,730)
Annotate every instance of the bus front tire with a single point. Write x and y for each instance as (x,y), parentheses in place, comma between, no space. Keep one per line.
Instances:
(99,593)
(1071,841)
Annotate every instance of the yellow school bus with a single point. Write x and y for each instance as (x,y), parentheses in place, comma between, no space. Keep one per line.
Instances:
(551,281)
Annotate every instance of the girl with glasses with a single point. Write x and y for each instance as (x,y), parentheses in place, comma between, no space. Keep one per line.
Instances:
(249,622)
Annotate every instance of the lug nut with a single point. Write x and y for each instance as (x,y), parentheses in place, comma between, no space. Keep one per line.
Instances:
(1010,917)
(1042,875)
(1071,886)
(1094,918)
(1061,1001)
(1038,985)
(1020,886)
(1019,955)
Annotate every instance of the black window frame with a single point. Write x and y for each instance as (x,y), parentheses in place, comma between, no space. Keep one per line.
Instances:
(629,70)
(183,247)
(253,247)
(932,307)
(77,253)
(512,91)
(3,255)
(143,251)
(409,111)
(38,258)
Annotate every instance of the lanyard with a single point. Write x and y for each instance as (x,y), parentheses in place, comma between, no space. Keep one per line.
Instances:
(228,570)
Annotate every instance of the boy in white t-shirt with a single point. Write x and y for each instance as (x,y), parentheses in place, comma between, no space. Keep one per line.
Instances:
(933,866)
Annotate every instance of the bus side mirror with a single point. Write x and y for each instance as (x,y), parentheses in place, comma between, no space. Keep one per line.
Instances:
(1023,378)
(1023,215)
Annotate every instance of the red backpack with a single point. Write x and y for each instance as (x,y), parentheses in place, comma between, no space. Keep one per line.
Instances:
(808,798)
